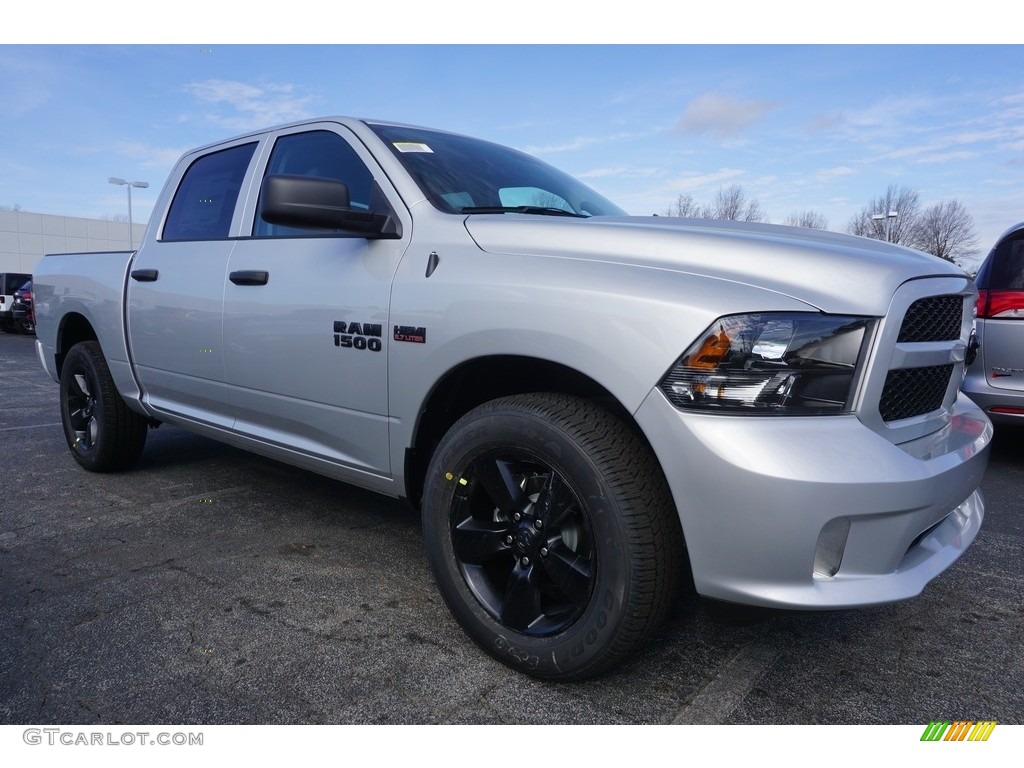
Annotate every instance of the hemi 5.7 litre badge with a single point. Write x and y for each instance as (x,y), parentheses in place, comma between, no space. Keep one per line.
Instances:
(413,333)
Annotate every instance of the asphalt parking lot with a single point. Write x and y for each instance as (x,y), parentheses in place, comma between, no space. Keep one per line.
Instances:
(208,585)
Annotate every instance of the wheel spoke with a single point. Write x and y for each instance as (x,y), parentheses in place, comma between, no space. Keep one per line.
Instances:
(522,598)
(501,485)
(477,542)
(77,416)
(520,537)
(555,503)
(570,572)
(83,384)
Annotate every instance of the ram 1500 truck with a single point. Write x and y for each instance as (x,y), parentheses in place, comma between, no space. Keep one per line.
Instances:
(590,409)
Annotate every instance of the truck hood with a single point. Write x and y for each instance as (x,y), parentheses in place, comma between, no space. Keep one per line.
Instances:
(834,273)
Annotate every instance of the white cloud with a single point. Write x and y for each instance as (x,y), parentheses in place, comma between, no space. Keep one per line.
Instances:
(24,82)
(164,157)
(580,142)
(830,121)
(697,181)
(568,146)
(828,174)
(251,106)
(625,171)
(947,157)
(1012,100)
(722,116)
(893,114)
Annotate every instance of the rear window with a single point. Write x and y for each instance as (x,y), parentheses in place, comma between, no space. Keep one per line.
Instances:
(12,281)
(205,200)
(1004,268)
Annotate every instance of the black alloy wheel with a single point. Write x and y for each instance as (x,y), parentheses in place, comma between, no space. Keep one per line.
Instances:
(103,433)
(81,405)
(523,543)
(551,534)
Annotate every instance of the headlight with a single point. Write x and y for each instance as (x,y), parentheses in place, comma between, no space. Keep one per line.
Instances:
(771,363)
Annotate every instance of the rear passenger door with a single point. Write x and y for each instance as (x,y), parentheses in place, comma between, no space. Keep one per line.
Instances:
(176,290)
(306,314)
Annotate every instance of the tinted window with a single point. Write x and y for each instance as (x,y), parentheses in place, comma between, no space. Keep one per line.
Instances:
(205,200)
(11,281)
(1004,270)
(324,155)
(457,172)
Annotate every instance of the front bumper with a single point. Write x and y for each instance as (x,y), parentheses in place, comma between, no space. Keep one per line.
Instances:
(818,512)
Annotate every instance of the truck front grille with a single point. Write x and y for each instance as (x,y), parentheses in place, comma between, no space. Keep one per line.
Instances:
(911,388)
(935,318)
(913,391)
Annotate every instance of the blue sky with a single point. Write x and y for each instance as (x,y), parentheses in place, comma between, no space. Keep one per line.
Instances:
(806,127)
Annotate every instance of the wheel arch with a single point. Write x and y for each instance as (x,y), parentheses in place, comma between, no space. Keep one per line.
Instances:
(481,379)
(74,328)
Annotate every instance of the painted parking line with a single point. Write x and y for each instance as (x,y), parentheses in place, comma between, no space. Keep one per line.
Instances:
(718,699)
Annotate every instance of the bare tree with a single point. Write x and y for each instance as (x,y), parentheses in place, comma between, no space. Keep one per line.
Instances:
(684,206)
(808,219)
(875,221)
(731,204)
(946,230)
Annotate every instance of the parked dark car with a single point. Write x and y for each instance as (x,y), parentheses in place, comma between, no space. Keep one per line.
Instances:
(9,283)
(995,380)
(22,312)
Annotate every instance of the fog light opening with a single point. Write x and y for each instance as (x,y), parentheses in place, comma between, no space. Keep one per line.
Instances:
(828,555)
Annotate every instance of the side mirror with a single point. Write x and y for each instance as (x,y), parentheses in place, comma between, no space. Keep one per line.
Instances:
(315,203)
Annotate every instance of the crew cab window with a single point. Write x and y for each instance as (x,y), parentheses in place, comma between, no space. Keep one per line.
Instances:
(322,154)
(205,201)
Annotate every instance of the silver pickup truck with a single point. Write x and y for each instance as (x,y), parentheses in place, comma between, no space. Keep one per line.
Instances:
(590,409)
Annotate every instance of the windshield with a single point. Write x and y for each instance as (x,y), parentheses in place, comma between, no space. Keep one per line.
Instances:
(463,175)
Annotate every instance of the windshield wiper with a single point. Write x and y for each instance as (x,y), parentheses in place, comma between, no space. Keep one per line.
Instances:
(537,209)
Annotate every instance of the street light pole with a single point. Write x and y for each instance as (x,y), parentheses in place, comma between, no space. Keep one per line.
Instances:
(888,217)
(129,184)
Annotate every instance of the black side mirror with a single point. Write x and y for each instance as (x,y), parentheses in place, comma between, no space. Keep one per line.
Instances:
(316,203)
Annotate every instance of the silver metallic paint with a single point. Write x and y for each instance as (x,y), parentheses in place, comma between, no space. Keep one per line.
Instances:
(617,299)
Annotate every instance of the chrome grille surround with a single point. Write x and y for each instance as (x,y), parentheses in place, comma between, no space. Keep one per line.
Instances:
(917,364)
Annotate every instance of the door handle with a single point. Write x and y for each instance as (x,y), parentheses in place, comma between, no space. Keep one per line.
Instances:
(145,275)
(249,277)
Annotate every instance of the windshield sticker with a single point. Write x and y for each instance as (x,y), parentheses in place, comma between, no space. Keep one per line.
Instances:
(412,146)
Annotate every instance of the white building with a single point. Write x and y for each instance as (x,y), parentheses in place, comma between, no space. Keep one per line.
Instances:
(26,237)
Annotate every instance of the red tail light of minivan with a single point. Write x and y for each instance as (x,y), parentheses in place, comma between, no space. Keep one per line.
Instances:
(1001,305)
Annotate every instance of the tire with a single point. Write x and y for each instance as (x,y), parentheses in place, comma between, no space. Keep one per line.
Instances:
(104,435)
(551,534)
